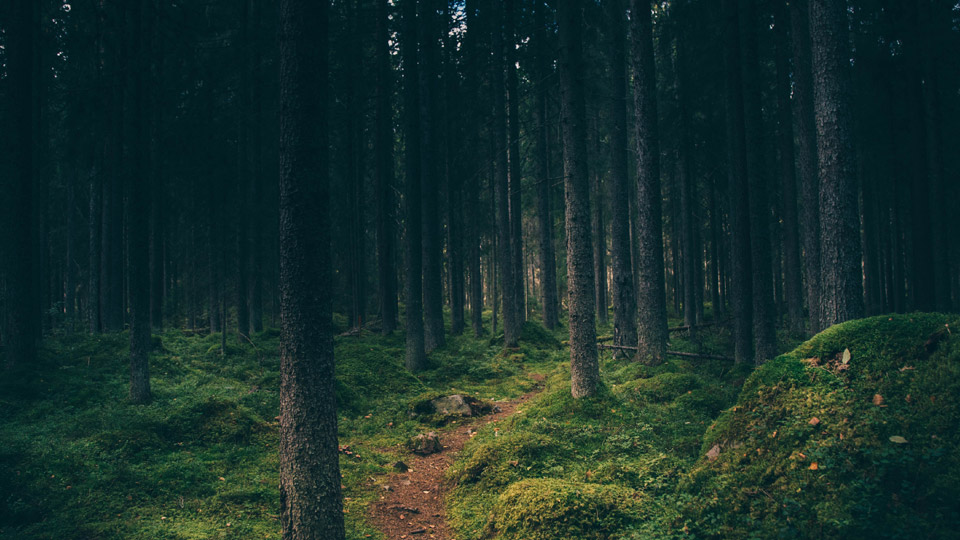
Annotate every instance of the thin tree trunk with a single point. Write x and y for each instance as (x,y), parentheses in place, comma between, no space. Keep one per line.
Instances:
(310,500)
(764,314)
(792,284)
(416,357)
(386,240)
(584,369)
(803,115)
(511,323)
(737,189)
(515,161)
(547,262)
(597,223)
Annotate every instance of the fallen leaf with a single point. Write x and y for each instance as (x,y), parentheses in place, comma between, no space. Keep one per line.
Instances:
(814,421)
(898,439)
(846,356)
(877,400)
(814,466)
(713,453)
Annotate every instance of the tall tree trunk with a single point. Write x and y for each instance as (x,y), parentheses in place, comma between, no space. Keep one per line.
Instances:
(841,289)
(511,322)
(547,257)
(515,159)
(244,174)
(310,500)
(792,284)
(803,115)
(18,187)
(738,192)
(652,332)
(455,246)
(584,369)
(416,357)
(597,222)
(624,299)
(386,240)
(764,314)
(430,128)
(688,246)
(138,209)
(475,67)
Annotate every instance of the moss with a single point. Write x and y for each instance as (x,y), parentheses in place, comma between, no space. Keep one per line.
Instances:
(547,509)
(665,386)
(807,450)
(500,459)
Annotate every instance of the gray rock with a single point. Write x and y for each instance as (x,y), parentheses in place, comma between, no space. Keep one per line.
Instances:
(426,444)
(452,405)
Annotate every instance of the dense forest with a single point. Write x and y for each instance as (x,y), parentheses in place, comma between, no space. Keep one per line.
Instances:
(638,236)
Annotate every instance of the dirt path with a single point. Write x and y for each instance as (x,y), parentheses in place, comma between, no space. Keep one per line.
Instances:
(413,506)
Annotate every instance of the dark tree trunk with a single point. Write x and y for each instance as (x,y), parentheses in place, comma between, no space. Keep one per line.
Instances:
(416,357)
(715,275)
(386,240)
(624,299)
(598,225)
(472,235)
(547,260)
(841,289)
(764,314)
(688,246)
(511,322)
(652,332)
(310,500)
(354,157)
(792,284)
(454,183)
(430,123)
(515,159)
(21,346)
(69,267)
(803,116)
(738,192)
(244,175)
(94,238)
(138,209)
(584,369)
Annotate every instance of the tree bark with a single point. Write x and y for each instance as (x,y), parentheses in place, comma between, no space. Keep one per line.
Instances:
(310,499)
(511,322)
(416,356)
(792,284)
(803,115)
(652,332)
(764,314)
(547,260)
(584,369)
(386,240)
(841,289)
(515,160)
(737,189)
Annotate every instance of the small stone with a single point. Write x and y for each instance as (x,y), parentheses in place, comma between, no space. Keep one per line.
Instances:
(401,466)
(425,444)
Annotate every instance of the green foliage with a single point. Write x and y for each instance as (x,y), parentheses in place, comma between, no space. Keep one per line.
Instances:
(546,509)
(815,447)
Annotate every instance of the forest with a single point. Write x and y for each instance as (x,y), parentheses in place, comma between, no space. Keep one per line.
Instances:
(479,269)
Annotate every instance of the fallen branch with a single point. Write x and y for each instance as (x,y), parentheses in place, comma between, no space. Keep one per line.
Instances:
(670,353)
(701,325)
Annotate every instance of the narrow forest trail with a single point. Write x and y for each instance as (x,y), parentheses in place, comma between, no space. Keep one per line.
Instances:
(413,505)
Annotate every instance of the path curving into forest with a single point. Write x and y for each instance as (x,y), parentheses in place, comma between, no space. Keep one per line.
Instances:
(413,506)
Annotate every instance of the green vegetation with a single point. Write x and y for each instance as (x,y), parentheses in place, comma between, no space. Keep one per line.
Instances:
(667,469)
(78,461)
(690,448)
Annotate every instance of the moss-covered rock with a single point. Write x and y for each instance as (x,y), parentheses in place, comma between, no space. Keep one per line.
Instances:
(665,386)
(547,509)
(827,444)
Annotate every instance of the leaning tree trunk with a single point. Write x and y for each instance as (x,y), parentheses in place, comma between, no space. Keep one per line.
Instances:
(841,289)
(310,501)
(584,369)
(652,332)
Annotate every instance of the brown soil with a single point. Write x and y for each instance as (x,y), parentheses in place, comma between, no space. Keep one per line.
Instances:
(412,507)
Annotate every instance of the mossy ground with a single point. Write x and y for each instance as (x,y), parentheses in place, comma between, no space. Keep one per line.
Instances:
(646,436)
(78,461)
(200,461)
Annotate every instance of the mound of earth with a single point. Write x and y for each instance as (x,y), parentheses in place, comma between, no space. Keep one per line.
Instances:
(853,434)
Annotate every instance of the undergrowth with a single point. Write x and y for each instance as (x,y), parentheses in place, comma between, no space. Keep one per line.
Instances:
(200,461)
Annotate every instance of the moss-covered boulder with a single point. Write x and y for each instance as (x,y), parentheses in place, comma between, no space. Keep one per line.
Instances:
(853,434)
(548,509)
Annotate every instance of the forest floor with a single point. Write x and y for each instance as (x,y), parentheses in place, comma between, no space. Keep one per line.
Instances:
(654,455)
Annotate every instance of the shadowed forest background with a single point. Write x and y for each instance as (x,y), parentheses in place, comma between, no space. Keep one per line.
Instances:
(698,260)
